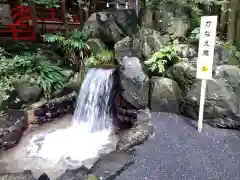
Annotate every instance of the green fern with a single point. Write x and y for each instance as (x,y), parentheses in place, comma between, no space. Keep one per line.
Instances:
(74,47)
(102,57)
(159,61)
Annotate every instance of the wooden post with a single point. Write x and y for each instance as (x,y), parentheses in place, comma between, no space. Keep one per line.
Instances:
(231,30)
(33,15)
(64,16)
(238,27)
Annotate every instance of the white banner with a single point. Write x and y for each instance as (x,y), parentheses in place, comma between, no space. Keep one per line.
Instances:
(206,47)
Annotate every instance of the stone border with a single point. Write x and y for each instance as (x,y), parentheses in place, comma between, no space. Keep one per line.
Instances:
(38,113)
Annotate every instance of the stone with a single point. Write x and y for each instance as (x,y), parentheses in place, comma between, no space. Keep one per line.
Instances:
(221,107)
(134,82)
(165,95)
(111,165)
(148,41)
(183,73)
(27,92)
(12,126)
(109,26)
(26,175)
(96,45)
(45,111)
(125,47)
(134,136)
(173,20)
(188,51)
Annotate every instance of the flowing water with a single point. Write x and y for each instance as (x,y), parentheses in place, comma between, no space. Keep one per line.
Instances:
(88,134)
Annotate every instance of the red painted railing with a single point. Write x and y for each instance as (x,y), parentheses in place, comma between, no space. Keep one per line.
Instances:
(22,21)
(20,25)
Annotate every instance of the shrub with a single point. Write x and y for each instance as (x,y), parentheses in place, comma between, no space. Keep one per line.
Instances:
(102,57)
(164,58)
(74,47)
(33,68)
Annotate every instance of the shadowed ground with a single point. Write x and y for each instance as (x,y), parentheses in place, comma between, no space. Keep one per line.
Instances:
(179,152)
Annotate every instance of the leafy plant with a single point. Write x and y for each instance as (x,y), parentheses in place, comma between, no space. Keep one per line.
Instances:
(195,35)
(42,72)
(102,57)
(74,46)
(162,59)
(47,3)
(33,68)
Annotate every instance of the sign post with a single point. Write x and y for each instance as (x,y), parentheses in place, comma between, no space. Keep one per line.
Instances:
(205,58)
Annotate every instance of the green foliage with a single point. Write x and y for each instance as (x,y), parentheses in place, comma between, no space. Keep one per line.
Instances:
(92,177)
(102,57)
(234,58)
(194,5)
(74,46)
(164,58)
(47,3)
(33,68)
(195,35)
(40,71)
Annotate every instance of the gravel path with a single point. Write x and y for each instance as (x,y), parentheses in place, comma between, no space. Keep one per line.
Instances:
(179,152)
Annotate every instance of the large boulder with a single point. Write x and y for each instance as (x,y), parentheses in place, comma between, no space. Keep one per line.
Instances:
(165,95)
(168,18)
(111,27)
(134,82)
(12,126)
(26,175)
(27,92)
(148,41)
(142,45)
(125,47)
(222,98)
(183,73)
(95,45)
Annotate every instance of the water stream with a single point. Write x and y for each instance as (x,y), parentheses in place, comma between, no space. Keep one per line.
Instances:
(90,128)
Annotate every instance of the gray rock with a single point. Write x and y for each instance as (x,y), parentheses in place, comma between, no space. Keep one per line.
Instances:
(11,128)
(221,107)
(26,175)
(188,51)
(173,20)
(222,94)
(134,82)
(168,18)
(148,41)
(96,45)
(27,92)
(134,136)
(111,27)
(183,73)
(165,96)
(111,165)
(125,47)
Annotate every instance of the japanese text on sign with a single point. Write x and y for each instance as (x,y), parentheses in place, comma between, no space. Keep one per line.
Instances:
(206,47)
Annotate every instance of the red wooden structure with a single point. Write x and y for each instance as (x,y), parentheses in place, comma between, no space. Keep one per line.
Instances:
(22,27)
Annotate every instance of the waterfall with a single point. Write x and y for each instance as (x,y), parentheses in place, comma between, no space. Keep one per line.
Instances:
(93,100)
(90,128)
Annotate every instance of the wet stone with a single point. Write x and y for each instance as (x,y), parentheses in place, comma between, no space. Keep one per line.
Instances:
(134,136)
(26,175)
(111,165)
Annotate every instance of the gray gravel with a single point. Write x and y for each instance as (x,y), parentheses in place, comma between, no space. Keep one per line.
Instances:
(179,152)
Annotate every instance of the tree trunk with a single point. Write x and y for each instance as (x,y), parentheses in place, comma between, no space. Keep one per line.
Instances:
(64,16)
(238,27)
(231,30)
(223,19)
